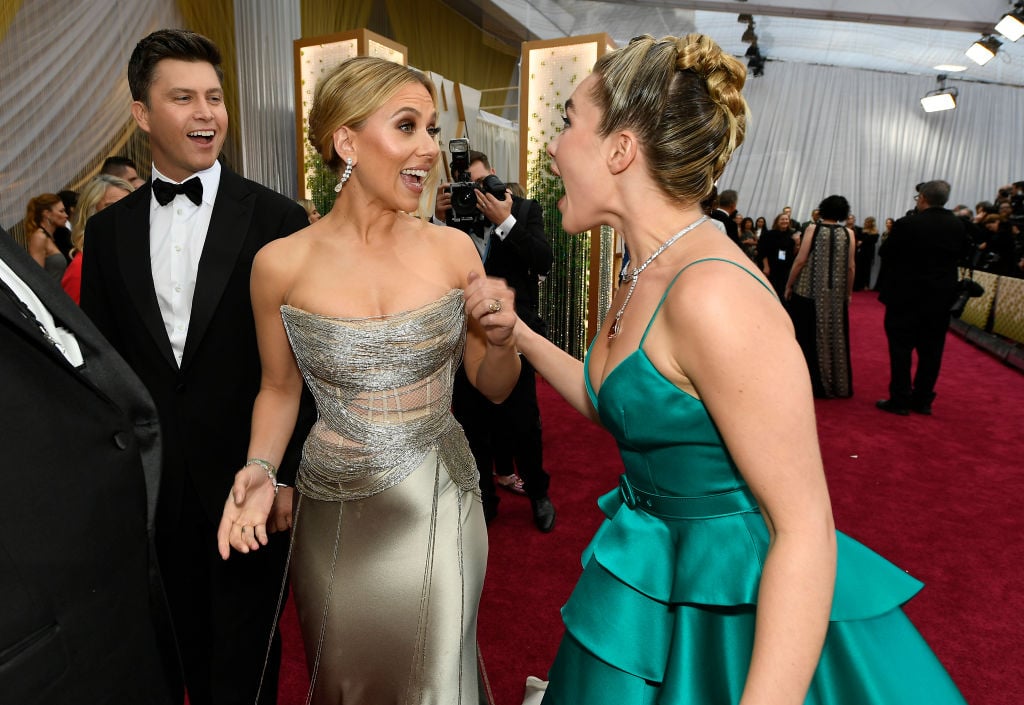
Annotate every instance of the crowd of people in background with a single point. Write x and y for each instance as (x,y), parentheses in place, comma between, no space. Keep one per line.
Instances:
(815,284)
(993,226)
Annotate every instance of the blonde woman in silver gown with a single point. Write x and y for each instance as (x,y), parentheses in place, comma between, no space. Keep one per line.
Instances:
(375,309)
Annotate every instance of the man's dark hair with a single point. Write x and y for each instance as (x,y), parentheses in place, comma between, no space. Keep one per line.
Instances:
(163,44)
(115,166)
(727,199)
(834,208)
(935,193)
(68,198)
(475,156)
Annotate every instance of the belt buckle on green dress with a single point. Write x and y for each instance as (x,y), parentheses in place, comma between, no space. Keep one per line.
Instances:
(626,490)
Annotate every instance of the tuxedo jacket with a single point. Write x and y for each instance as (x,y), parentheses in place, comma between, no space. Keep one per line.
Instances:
(731,229)
(522,257)
(205,405)
(920,258)
(82,603)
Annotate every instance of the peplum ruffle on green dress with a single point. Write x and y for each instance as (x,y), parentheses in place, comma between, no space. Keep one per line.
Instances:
(664,610)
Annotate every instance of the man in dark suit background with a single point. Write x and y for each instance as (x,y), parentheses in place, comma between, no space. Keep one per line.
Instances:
(513,246)
(724,212)
(918,283)
(83,610)
(167,282)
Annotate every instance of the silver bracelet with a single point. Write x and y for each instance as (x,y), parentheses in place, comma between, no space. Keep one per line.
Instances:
(269,467)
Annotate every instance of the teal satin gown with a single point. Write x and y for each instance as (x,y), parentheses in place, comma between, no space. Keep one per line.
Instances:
(664,610)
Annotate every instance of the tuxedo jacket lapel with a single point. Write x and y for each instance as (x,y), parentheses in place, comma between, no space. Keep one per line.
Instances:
(137,269)
(43,286)
(104,369)
(229,225)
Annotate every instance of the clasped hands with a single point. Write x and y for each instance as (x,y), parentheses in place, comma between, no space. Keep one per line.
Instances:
(491,302)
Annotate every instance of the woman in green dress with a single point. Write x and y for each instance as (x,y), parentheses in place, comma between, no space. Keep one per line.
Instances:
(718,576)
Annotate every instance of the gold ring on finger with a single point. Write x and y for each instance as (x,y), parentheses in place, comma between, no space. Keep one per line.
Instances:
(494,306)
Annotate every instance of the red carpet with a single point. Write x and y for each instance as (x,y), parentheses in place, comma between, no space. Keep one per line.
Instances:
(936,495)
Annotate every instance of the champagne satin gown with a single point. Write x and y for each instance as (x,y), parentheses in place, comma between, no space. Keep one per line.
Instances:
(390,545)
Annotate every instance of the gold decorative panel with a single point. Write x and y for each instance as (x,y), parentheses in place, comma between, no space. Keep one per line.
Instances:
(1009,312)
(977,310)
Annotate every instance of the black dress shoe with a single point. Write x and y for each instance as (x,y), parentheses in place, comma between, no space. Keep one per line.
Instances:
(543,513)
(888,405)
(925,409)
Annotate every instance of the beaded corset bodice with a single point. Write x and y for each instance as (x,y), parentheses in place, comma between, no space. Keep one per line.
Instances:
(383,390)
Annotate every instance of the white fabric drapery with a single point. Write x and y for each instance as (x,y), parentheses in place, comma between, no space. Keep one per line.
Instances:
(818,130)
(498,138)
(815,130)
(264,32)
(64,96)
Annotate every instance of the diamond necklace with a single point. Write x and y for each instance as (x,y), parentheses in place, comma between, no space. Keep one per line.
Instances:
(635,274)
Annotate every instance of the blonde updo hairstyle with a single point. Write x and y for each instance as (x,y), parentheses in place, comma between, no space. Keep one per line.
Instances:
(681,95)
(350,94)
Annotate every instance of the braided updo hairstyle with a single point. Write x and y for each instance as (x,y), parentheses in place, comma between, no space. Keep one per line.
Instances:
(681,95)
(350,94)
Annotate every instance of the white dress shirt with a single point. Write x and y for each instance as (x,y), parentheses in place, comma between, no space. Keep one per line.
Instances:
(483,243)
(177,234)
(62,339)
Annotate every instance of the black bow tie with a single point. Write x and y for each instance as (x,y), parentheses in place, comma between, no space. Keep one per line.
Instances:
(165,191)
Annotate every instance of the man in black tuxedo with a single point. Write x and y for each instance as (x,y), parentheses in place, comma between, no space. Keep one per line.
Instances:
(918,283)
(83,610)
(167,281)
(724,212)
(513,246)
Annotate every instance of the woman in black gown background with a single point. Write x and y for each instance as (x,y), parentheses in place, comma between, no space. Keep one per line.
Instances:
(775,252)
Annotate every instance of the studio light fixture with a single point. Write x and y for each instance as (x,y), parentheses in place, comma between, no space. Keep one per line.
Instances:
(941,98)
(982,51)
(1011,25)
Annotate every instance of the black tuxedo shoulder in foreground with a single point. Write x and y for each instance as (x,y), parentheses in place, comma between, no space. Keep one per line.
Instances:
(82,605)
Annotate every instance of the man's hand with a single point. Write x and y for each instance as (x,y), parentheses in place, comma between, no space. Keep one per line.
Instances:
(494,210)
(443,202)
(280,518)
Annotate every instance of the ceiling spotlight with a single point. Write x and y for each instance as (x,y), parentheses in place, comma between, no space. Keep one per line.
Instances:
(1012,24)
(940,99)
(982,51)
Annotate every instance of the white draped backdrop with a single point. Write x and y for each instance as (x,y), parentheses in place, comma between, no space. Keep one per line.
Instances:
(64,99)
(818,130)
(814,131)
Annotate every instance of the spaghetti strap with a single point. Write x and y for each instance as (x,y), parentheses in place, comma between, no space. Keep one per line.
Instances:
(672,283)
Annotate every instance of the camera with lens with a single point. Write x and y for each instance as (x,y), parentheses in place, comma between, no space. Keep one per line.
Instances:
(966,289)
(464,213)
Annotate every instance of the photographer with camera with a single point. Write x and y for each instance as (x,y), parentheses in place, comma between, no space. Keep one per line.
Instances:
(918,284)
(509,234)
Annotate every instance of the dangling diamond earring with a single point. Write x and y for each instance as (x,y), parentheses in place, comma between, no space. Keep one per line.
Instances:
(344,176)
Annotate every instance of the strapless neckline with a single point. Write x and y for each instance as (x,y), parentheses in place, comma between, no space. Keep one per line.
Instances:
(382,317)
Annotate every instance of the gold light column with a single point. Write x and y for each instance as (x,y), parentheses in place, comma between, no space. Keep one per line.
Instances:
(575,297)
